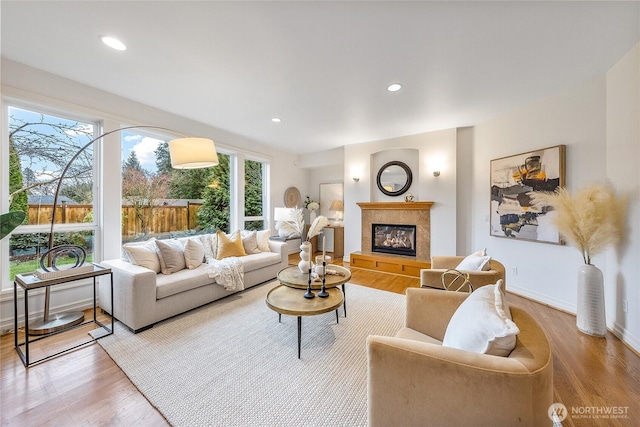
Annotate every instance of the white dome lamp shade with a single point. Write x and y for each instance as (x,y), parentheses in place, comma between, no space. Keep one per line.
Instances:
(192,153)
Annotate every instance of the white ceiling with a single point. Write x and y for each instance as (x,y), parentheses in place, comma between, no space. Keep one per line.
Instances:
(323,67)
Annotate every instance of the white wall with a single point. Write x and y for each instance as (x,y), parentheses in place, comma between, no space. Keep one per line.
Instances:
(31,85)
(464,168)
(361,160)
(622,160)
(576,118)
(598,122)
(286,172)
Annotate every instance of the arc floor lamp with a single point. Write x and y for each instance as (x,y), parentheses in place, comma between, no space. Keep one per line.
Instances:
(185,153)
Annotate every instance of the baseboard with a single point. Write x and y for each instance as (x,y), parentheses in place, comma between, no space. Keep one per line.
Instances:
(6,323)
(629,339)
(615,328)
(542,298)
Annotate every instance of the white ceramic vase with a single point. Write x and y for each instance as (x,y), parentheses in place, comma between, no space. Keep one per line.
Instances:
(590,316)
(312,216)
(305,257)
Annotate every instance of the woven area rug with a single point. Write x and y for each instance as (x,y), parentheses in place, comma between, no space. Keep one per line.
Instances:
(231,363)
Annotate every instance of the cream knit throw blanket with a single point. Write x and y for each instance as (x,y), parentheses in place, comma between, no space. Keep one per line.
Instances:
(227,272)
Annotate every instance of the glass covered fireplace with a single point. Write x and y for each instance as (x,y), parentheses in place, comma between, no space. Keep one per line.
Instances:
(398,239)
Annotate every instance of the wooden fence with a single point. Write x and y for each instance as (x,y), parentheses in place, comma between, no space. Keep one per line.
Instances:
(65,214)
(159,219)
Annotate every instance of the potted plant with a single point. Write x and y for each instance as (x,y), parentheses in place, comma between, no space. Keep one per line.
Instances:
(313,206)
(9,221)
(591,220)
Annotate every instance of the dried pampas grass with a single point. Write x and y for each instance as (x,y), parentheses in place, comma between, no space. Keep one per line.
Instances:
(591,220)
(295,226)
(316,226)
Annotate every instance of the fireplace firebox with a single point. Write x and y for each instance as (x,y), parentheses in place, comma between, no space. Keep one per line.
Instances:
(398,239)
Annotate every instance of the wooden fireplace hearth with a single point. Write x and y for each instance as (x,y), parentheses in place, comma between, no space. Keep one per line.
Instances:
(414,213)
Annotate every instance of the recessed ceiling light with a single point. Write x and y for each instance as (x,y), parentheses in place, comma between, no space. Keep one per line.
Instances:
(113,43)
(276,119)
(394,87)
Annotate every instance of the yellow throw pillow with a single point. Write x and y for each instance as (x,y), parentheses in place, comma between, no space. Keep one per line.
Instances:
(229,246)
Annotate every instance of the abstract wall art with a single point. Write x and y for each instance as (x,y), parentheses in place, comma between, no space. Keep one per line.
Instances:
(513,179)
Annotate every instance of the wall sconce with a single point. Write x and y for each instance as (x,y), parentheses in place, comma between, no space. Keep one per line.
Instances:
(436,164)
(356,178)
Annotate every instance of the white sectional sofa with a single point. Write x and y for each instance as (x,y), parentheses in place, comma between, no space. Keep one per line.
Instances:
(143,296)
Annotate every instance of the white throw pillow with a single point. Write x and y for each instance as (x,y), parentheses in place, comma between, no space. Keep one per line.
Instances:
(210,244)
(143,254)
(193,253)
(482,323)
(250,242)
(477,261)
(263,240)
(171,254)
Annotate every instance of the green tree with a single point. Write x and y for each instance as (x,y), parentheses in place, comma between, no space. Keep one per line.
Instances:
(81,193)
(214,211)
(28,177)
(163,158)
(19,202)
(132,162)
(253,193)
(183,183)
(189,183)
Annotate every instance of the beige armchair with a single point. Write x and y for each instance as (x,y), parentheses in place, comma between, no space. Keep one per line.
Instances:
(414,381)
(431,277)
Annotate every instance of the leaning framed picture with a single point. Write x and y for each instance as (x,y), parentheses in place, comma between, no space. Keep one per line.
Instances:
(328,194)
(513,180)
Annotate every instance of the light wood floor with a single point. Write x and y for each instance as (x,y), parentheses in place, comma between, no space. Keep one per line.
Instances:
(86,388)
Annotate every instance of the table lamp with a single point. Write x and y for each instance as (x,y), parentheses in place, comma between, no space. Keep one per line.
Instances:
(338,207)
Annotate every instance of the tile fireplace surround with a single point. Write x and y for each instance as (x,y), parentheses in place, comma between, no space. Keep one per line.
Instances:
(413,213)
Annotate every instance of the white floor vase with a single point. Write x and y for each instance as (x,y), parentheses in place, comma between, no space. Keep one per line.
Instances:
(590,317)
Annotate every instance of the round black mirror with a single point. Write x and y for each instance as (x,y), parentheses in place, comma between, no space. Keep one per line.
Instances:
(394,178)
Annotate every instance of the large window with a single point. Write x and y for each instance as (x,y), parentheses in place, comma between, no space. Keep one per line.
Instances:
(157,200)
(254,194)
(162,202)
(41,145)
(215,212)
(145,188)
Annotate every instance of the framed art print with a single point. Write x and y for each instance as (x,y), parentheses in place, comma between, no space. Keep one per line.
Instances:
(513,180)
(329,193)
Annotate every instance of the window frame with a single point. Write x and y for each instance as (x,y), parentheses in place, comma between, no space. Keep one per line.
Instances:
(265,192)
(103,150)
(6,284)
